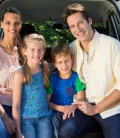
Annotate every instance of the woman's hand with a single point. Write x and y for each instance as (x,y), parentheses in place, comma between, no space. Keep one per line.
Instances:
(9,124)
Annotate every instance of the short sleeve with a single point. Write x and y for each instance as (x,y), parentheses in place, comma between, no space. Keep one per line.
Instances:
(49,90)
(80,86)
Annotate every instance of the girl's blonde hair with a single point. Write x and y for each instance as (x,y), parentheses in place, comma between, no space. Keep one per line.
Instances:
(26,70)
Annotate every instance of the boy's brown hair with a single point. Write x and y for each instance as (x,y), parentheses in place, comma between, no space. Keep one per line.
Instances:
(60,50)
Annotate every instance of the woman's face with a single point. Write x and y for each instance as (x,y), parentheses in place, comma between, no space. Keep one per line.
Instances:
(11,24)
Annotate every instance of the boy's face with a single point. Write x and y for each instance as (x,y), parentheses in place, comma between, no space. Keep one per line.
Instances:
(80,27)
(63,63)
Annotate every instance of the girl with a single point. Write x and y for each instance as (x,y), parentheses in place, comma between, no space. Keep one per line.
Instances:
(29,96)
(11,24)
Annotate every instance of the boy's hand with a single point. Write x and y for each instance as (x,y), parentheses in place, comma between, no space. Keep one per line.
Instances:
(70,111)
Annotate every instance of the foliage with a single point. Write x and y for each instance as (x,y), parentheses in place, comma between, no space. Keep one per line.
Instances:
(53,36)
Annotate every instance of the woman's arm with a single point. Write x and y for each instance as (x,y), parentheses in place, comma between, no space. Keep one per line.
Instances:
(17,87)
(2,111)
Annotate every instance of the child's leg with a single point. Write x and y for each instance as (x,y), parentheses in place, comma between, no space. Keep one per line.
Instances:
(44,127)
(75,127)
(28,128)
(57,122)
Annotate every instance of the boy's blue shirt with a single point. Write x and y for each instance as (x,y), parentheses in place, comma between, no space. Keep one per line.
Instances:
(63,90)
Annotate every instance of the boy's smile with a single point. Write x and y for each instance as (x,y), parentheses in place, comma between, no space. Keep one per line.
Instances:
(64,64)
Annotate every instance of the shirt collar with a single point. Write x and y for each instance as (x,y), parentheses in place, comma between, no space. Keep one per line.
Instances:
(94,41)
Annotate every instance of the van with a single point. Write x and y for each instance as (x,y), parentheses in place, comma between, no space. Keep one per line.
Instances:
(104,13)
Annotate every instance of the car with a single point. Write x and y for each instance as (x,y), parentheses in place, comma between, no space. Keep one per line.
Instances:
(105,15)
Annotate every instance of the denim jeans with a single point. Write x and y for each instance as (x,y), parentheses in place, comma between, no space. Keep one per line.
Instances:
(110,125)
(57,121)
(75,127)
(2,130)
(8,110)
(37,127)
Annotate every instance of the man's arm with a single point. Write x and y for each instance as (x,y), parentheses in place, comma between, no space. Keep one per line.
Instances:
(108,102)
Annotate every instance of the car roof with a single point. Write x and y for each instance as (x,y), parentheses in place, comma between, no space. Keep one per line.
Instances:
(37,10)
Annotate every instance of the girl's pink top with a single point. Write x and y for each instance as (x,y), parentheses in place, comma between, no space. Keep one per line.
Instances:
(8,65)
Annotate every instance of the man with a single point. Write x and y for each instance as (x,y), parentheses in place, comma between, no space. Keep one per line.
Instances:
(97,61)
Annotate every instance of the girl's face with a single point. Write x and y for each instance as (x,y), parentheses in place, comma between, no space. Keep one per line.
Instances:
(63,63)
(11,24)
(34,52)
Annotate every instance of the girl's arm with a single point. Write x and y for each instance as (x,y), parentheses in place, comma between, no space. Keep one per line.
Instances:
(17,87)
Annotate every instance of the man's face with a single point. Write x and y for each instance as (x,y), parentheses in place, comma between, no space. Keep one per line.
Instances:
(80,28)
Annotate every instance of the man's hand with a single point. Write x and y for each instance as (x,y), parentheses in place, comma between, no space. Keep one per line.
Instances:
(86,108)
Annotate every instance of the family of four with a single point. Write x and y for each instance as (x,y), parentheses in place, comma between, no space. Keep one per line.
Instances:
(84,90)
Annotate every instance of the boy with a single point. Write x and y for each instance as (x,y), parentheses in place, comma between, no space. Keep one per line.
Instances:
(65,86)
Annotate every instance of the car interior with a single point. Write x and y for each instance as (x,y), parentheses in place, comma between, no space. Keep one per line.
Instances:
(104,13)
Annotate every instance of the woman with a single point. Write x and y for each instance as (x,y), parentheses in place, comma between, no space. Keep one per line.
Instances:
(9,46)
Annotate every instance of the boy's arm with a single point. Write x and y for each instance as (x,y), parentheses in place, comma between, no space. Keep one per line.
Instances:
(59,108)
(48,97)
(55,107)
(51,105)
(80,89)
(17,87)
(80,96)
